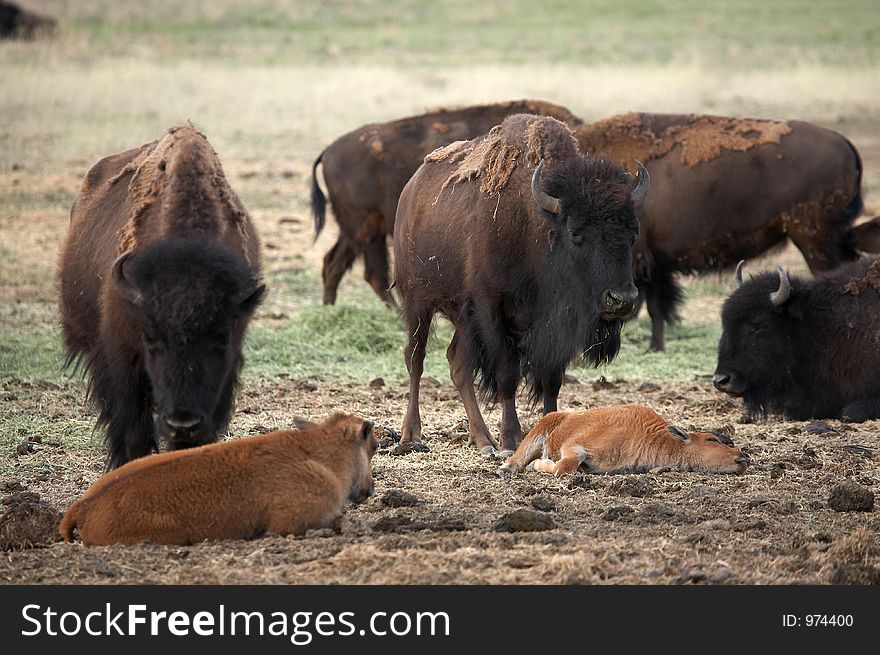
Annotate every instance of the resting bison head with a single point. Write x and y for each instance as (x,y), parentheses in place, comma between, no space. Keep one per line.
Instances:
(587,201)
(190,301)
(758,349)
(712,452)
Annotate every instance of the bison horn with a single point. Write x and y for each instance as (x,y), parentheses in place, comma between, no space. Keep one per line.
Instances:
(738,274)
(544,200)
(638,194)
(125,288)
(781,296)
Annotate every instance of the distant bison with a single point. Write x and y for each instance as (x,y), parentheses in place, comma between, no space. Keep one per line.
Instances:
(524,244)
(622,439)
(365,171)
(284,482)
(158,279)
(18,23)
(804,348)
(728,189)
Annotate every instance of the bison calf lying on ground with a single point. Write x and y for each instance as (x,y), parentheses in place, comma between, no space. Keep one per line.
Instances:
(804,348)
(623,439)
(159,277)
(287,481)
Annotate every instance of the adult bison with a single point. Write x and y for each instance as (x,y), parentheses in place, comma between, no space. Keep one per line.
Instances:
(804,348)
(18,23)
(728,189)
(158,278)
(365,171)
(524,244)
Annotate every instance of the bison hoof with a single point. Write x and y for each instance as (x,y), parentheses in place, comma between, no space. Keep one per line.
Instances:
(507,452)
(488,451)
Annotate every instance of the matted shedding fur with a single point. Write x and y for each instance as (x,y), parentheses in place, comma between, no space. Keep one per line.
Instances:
(627,137)
(871,278)
(163,177)
(494,157)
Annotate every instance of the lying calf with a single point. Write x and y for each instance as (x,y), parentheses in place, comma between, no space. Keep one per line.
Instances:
(287,481)
(623,439)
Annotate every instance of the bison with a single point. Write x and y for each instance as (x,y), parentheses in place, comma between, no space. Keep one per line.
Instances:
(622,439)
(18,23)
(804,348)
(524,244)
(729,189)
(365,171)
(284,482)
(159,276)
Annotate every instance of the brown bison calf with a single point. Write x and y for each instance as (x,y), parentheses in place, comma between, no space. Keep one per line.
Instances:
(623,439)
(287,481)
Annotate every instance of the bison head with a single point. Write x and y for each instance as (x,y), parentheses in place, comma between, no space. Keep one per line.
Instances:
(191,301)
(712,452)
(591,203)
(758,346)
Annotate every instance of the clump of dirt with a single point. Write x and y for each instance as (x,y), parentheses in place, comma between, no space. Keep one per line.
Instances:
(853,560)
(851,496)
(399,498)
(630,486)
(525,520)
(27,522)
(542,503)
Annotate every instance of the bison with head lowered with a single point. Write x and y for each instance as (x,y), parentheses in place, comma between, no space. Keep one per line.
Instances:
(524,244)
(804,348)
(158,277)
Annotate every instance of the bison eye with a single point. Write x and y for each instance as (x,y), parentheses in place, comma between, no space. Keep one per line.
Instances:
(576,238)
(713,439)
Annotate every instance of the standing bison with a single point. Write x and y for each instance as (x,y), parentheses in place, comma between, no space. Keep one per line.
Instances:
(804,348)
(365,171)
(159,277)
(524,244)
(729,189)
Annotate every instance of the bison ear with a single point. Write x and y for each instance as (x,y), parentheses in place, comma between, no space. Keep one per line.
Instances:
(366,430)
(125,287)
(679,434)
(303,424)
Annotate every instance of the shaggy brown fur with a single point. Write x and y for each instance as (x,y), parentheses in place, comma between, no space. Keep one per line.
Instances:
(163,329)
(626,438)
(365,171)
(284,482)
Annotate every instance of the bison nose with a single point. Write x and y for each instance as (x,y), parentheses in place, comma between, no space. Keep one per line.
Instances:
(183,421)
(721,381)
(620,302)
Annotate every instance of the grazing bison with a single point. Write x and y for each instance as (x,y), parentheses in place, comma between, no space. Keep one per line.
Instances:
(159,276)
(804,348)
(18,23)
(622,439)
(365,171)
(729,189)
(524,244)
(284,482)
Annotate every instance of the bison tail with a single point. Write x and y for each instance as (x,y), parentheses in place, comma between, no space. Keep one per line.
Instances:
(319,202)
(68,523)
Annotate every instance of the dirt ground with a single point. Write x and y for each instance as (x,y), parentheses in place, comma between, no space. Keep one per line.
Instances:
(773,525)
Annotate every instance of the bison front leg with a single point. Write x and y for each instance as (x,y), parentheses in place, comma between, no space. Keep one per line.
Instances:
(463,378)
(418,328)
(551,391)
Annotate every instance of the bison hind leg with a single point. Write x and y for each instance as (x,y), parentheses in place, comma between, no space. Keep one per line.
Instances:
(663,297)
(861,410)
(336,262)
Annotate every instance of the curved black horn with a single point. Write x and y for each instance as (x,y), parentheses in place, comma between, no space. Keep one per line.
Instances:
(738,274)
(638,194)
(544,200)
(781,296)
(123,286)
